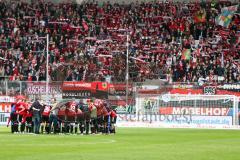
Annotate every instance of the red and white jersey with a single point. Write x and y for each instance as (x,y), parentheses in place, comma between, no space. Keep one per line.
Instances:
(113,114)
(98,103)
(71,109)
(105,112)
(21,108)
(29,114)
(46,110)
(90,106)
(72,106)
(99,112)
(29,104)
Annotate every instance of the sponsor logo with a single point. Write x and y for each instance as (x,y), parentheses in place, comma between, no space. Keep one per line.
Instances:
(174,119)
(209,90)
(195,111)
(104,85)
(5,107)
(153,118)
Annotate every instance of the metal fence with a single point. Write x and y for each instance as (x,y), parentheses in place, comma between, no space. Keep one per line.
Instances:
(116,91)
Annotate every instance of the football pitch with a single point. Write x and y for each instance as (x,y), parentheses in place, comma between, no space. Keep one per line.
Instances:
(127,144)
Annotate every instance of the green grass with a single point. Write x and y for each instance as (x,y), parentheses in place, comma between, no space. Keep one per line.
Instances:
(127,144)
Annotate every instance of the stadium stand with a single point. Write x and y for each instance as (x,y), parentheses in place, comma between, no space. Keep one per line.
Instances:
(88,41)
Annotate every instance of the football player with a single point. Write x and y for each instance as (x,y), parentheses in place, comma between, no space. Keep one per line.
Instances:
(45,119)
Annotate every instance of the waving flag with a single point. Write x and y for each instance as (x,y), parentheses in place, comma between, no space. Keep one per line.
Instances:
(225,18)
(186,54)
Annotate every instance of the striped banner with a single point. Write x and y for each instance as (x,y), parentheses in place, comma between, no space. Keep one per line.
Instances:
(224,33)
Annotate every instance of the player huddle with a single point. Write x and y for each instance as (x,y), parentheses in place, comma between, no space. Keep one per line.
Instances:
(64,117)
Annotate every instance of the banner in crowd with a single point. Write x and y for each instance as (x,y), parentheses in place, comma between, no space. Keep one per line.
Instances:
(37,88)
(225,89)
(230,87)
(120,89)
(85,90)
(192,88)
(116,93)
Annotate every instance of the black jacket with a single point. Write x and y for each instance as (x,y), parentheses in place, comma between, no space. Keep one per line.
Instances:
(36,108)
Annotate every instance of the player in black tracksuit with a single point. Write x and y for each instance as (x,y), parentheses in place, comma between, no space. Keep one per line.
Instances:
(86,117)
(13,119)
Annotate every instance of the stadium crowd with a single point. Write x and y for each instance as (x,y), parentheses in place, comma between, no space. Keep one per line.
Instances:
(88,42)
(63,117)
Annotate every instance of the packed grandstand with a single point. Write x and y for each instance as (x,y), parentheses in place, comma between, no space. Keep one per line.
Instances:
(167,40)
(119,79)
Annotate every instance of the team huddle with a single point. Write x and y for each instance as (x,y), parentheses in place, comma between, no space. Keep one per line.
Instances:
(74,117)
